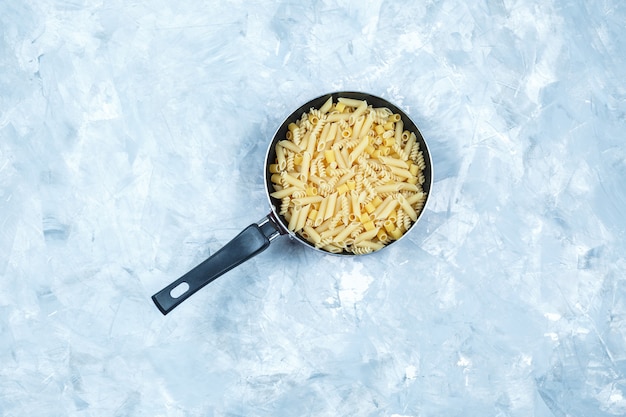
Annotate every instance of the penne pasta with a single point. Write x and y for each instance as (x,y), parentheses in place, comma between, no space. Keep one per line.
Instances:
(290,179)
(287,144)
(367,125)
(286,192)
(356,129)
(394,162)
(341,236)
(406,207)
(357,112)
(338,156)
(303,213)
(314,237)
(401,172)
(330,206)
(350,102)
(408,146)
(327,106)
(304,167)
(335,117)
(369,244)
(387,188)
(308,200)
(416,198)
(356,207)
(367,235)
(281,159)
(293,220)
(356,152)
(398,132)
(384,210)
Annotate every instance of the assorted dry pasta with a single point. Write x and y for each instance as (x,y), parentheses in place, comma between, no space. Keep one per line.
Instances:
(349,177)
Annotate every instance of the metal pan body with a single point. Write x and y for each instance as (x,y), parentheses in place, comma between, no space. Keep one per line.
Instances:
(316,103)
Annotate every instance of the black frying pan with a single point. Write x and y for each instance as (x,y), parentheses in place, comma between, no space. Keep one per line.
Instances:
(257,237)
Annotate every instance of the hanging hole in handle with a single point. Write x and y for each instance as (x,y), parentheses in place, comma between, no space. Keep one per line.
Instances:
(179,290)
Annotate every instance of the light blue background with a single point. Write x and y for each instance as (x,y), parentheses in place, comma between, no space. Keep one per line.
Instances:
(132,139)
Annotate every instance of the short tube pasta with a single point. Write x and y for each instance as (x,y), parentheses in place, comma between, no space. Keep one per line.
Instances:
(367,235)
(292,146)
(358,150)
(349,177)
(308,200)
(387,209)
(285,192)
(303,213)
(341,236)
(393,162)
(407,207)
(330,207)
(327,105)
(290,179)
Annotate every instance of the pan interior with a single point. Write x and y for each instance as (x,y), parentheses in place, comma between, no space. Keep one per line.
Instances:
(317,103)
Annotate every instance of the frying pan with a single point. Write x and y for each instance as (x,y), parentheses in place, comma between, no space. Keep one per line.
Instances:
(257,237)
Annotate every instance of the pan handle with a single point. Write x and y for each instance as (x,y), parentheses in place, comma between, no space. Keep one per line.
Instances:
(253,240)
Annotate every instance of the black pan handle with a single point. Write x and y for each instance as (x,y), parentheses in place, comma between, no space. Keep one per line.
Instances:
(253,240)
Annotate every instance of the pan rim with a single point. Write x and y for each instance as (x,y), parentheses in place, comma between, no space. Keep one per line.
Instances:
(294,115)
